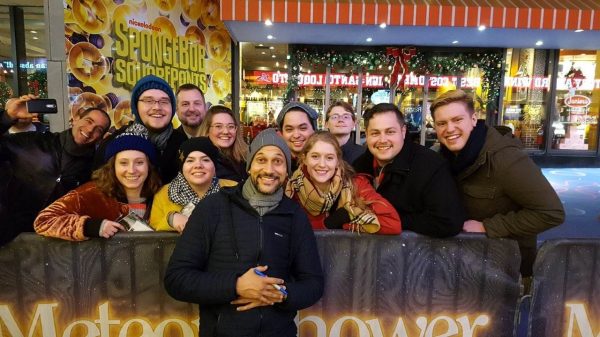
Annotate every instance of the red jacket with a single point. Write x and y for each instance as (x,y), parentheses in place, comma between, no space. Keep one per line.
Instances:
(386,214)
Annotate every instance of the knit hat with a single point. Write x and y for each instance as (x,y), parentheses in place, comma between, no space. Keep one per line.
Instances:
(202,144)
(135,138)
(146,83)
(310,112)
(269,137)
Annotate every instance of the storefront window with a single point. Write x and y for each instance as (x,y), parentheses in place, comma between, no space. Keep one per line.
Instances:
(446,71)
(6,66)
(35,49)
(526,87)
(34,63)
(575,122)
(264,82)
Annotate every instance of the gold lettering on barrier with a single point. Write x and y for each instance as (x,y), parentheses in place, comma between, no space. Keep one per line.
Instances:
(578,317)
(440,326)
(44,324)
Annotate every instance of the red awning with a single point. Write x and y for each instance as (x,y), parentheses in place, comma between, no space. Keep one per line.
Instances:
(523,14)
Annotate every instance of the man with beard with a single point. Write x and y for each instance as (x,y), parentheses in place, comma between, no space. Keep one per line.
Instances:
(191,109)
(37,168)
(414,179)
(153,106)
(238,236)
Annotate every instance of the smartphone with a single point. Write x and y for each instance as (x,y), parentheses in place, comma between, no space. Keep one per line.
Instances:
(42,106)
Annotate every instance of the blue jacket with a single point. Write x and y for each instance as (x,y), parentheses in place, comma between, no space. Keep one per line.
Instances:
(224,237)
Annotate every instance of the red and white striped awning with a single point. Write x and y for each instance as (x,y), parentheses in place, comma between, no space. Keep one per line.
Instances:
(507,14)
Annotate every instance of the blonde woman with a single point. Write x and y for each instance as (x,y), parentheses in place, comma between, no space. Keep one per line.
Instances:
(224,131)
(333,196)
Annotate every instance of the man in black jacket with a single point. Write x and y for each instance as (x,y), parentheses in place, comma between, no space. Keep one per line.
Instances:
(234,238)
(340,120)
(416,180)
(38,168)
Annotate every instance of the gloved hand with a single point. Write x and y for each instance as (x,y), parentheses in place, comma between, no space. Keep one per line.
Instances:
(337,219)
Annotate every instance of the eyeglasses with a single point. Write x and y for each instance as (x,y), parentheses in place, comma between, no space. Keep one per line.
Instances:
(344,117)
(163,102)
(221,127)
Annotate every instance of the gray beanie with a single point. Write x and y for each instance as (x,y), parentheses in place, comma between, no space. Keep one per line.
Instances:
(310,112)
(265,138)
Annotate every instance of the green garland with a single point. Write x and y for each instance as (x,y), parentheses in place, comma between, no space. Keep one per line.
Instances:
(423,63)
(38,81)
(5,93)
(490,63)
(357,60)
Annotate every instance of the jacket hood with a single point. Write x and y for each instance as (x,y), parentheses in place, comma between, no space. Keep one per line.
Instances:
(495,141)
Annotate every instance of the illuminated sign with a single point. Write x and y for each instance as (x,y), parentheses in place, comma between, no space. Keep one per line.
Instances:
(44,318)
(26,65)
(543,83)
(442,81)
(577,101)
(438,326)
(317,80)
(579,318)
(369,81)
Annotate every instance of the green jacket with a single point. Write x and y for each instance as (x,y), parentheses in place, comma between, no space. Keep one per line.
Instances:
(506,190)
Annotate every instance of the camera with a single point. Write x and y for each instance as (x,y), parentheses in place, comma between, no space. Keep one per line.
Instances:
(42,106)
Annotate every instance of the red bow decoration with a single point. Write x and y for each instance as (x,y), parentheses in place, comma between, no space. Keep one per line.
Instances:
(574,75)
(36,87)
(401,58)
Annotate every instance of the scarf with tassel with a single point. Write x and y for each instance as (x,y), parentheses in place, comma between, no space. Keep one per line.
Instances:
(316,202)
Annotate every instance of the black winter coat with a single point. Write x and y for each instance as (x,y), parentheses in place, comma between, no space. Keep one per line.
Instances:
(224,237)
(351,151)
(418,183)
(35,170)
(228,169)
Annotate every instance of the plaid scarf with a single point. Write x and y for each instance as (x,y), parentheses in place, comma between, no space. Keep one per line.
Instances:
(316,202)
(181,193)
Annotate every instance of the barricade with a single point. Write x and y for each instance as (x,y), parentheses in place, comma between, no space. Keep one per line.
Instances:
(566,289)
(378,286)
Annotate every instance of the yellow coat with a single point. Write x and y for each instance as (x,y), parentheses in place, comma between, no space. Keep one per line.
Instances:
(162,206)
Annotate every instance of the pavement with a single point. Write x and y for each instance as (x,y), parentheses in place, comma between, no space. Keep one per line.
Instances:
(579,191)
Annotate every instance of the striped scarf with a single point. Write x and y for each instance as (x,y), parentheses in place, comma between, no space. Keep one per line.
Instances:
(316,202)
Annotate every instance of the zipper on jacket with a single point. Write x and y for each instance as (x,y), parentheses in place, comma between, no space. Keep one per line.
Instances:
(260,323)
(260,239)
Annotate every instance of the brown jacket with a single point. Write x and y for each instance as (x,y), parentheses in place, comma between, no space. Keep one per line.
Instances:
(507,192)
(67,217)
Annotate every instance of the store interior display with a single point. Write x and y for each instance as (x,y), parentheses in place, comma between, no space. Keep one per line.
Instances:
(271,73)
(575,124)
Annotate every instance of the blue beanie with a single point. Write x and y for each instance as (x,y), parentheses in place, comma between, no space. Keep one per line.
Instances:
(269,137)
(135,138)
(311,113)
(146,83)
